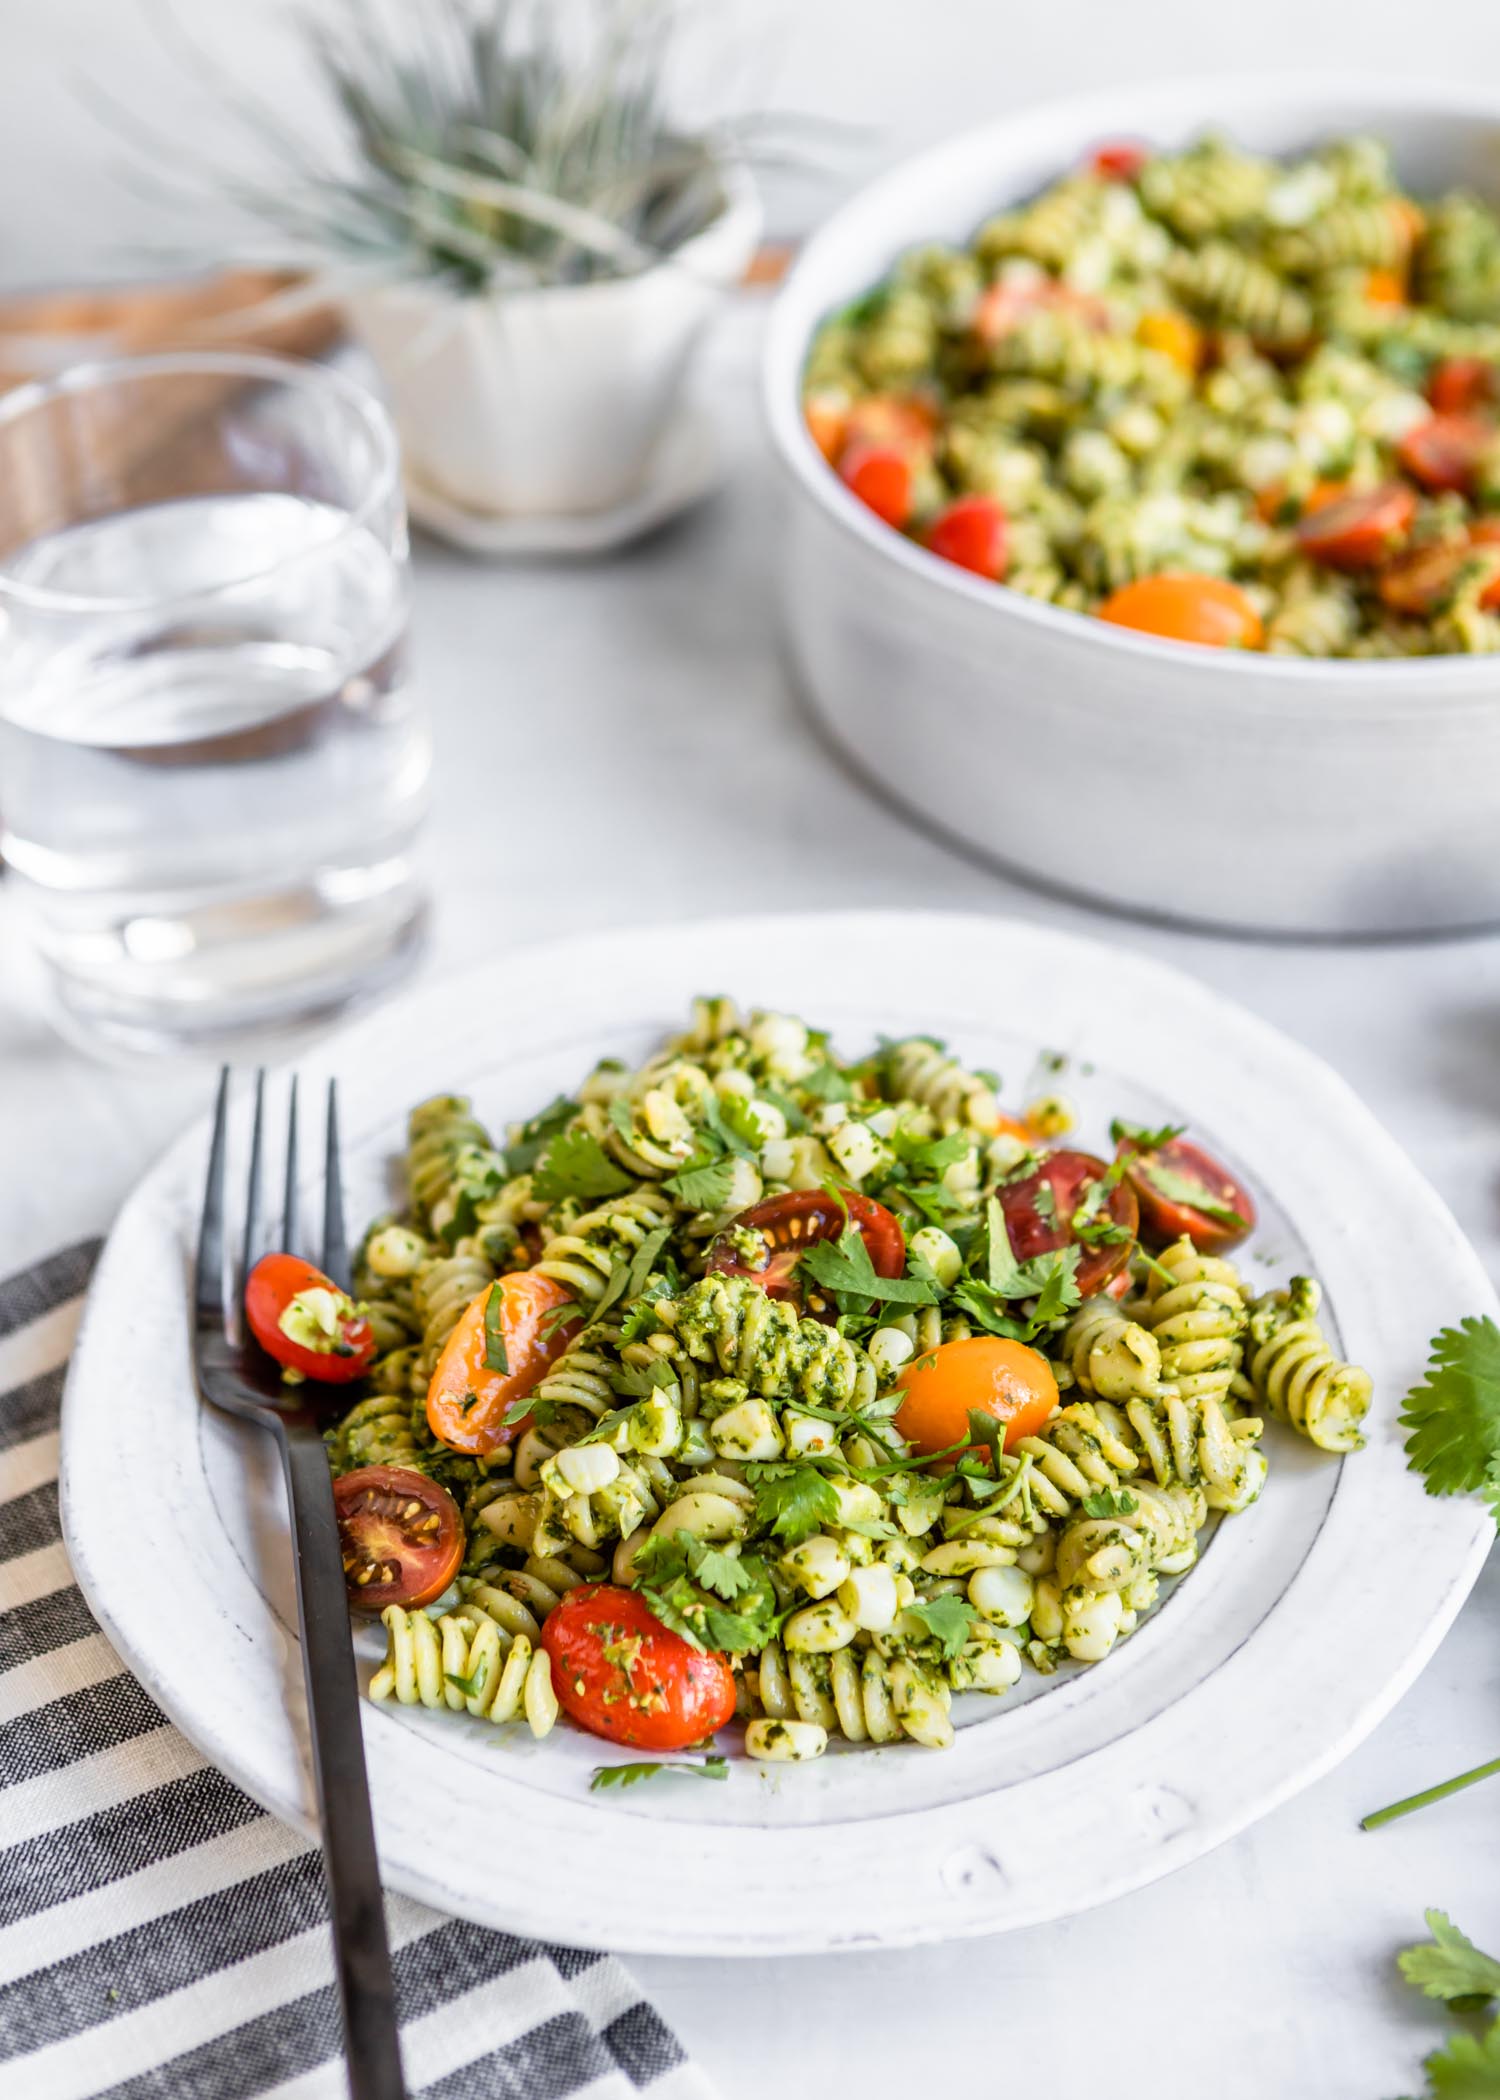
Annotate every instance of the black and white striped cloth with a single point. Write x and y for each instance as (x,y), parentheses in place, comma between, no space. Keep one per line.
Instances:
(161,1937)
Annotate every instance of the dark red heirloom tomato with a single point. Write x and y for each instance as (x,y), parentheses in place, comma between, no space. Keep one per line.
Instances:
(1443,452)
(1357,530)
(788,1225)
(401,1536)
(1034,1230)
(972,533)
(302,1318)
(619,1673)
(1459,384)
(1183,1189)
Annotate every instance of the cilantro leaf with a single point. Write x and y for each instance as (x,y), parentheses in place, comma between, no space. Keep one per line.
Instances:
(691,1587)
(826,1082)
(620,1116)
(1142,1139)
(948,1619)
(1189,1190)
(495,1358)
(576,1164)
(935,1154)
(523,1155)
(844,1267)
(1109,1503)
(1449,1965)
(792,1502)
(1467,2068)
(704,1186)
(730,1118)
(1454,1415)
(650,1768)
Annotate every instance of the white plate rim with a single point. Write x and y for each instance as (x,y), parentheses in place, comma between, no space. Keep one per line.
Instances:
(943,1857)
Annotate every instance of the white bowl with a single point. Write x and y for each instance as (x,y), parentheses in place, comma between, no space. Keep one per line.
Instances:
(1240,790)
(550,403)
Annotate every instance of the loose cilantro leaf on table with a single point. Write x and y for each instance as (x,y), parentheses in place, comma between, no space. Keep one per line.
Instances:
(649,1768)
(495,1358)
(576,1164)
(948,1619)
(1466,2068)
(1449,1965)
(844,1267)
(1454,1415)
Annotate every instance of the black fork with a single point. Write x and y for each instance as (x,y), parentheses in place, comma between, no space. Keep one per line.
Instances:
(234,1374)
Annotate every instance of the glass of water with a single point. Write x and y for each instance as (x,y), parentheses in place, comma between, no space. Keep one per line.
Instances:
(211,764)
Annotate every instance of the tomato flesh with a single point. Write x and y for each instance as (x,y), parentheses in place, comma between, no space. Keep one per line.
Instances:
(1443,452)
(1421,582)
(1120,161)
(983,1375)
(468,1400)
(1164,1182)
(400,1534)
(330,1341)
(1036,1225)
(973,533)
(788,1225)
(1186,608)
(881,477)
(1358,530)
(619,1673)
(1458,385)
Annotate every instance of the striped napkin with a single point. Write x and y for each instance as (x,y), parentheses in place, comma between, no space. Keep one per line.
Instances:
(161,1937)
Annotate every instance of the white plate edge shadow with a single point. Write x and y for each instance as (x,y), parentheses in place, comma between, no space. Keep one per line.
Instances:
(1463,1530)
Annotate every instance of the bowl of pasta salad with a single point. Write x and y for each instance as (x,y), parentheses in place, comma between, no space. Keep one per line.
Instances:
(1146,447)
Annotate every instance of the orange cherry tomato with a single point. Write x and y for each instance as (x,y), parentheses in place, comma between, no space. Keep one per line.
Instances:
(1120,161)
(1167,1181)
(1385,288)
(1443,452)
(984,1375)
(1172,333)
(973,533)
(1458,385)
(467,1402)
(1359,529)
(881,477)
(330,1341)
(906,422)
(1186,608)
(827,419)
(401,1536)
(619,1673)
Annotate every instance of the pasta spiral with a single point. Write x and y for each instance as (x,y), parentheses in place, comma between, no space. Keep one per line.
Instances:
(465,1662)
(1109,1354)
(583,1256)
(919,1070)
(1292,1370)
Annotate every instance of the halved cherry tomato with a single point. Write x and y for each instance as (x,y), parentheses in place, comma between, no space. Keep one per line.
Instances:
(984,1375)
(302,1318)
(1038,1226)
(1423,581)
(467,1402)
(1359,529)
(1385,288)
(1186,608)
(1120,161)
(619,1673)
(973,533)
(788,1225)
(1458,385)
(1005,305)
(827,419)
(401,1536)
(1167,1181)
(905,422)
(881,477)
(1443,452)
(1277,505)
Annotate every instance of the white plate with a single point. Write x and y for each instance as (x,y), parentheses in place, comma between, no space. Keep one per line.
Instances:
(686,465)
(1305,1620)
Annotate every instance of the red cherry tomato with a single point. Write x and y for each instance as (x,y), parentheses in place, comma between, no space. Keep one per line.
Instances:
(1443,452)
(401,1535)
(1037,1226)
(1458,385)
(983,1375)
(619,1673)
(1120,161)
(1422,581)
(881,477)
(329,1339)
(467,1400)
(788,1225)
(972,532)
(1183,1189)
(1358,530)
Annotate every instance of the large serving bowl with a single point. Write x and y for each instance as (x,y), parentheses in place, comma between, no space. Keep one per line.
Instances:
(1242,790)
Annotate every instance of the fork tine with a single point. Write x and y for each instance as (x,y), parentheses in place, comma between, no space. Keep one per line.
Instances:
(289,1198)
(208,1276)
(335,1247)
(251,1247)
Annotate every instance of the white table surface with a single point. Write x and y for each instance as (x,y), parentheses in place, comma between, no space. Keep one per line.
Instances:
(619,742)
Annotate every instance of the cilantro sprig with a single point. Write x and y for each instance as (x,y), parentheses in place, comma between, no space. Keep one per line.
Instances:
(1448,1966)
(576,1164)
(653,1768)
(714,1596)
(844,1269)
(996,1282)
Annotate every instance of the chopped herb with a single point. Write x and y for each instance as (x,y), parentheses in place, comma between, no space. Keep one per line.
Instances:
(935,1154)
(794,1501)
(844,1267)
(523,1155)
(1045,1202)
(622,1119)
(705,1187)
(1109,1502)
(647,1768)
(471,1687)
(826,1083)
(576,1164)
(949,1619)
(712,1597)
(1187,1189)
(495,1358)
(1144,1140)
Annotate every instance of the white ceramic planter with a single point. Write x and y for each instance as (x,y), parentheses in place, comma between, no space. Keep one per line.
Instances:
(549,402)
(1239,790)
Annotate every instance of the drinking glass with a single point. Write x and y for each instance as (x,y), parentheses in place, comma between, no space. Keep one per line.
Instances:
(212,767)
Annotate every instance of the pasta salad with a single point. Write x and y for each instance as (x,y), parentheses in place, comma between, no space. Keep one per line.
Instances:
(760,1383)
(1204,395)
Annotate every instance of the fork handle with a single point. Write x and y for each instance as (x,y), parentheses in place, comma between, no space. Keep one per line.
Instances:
(362,1952)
